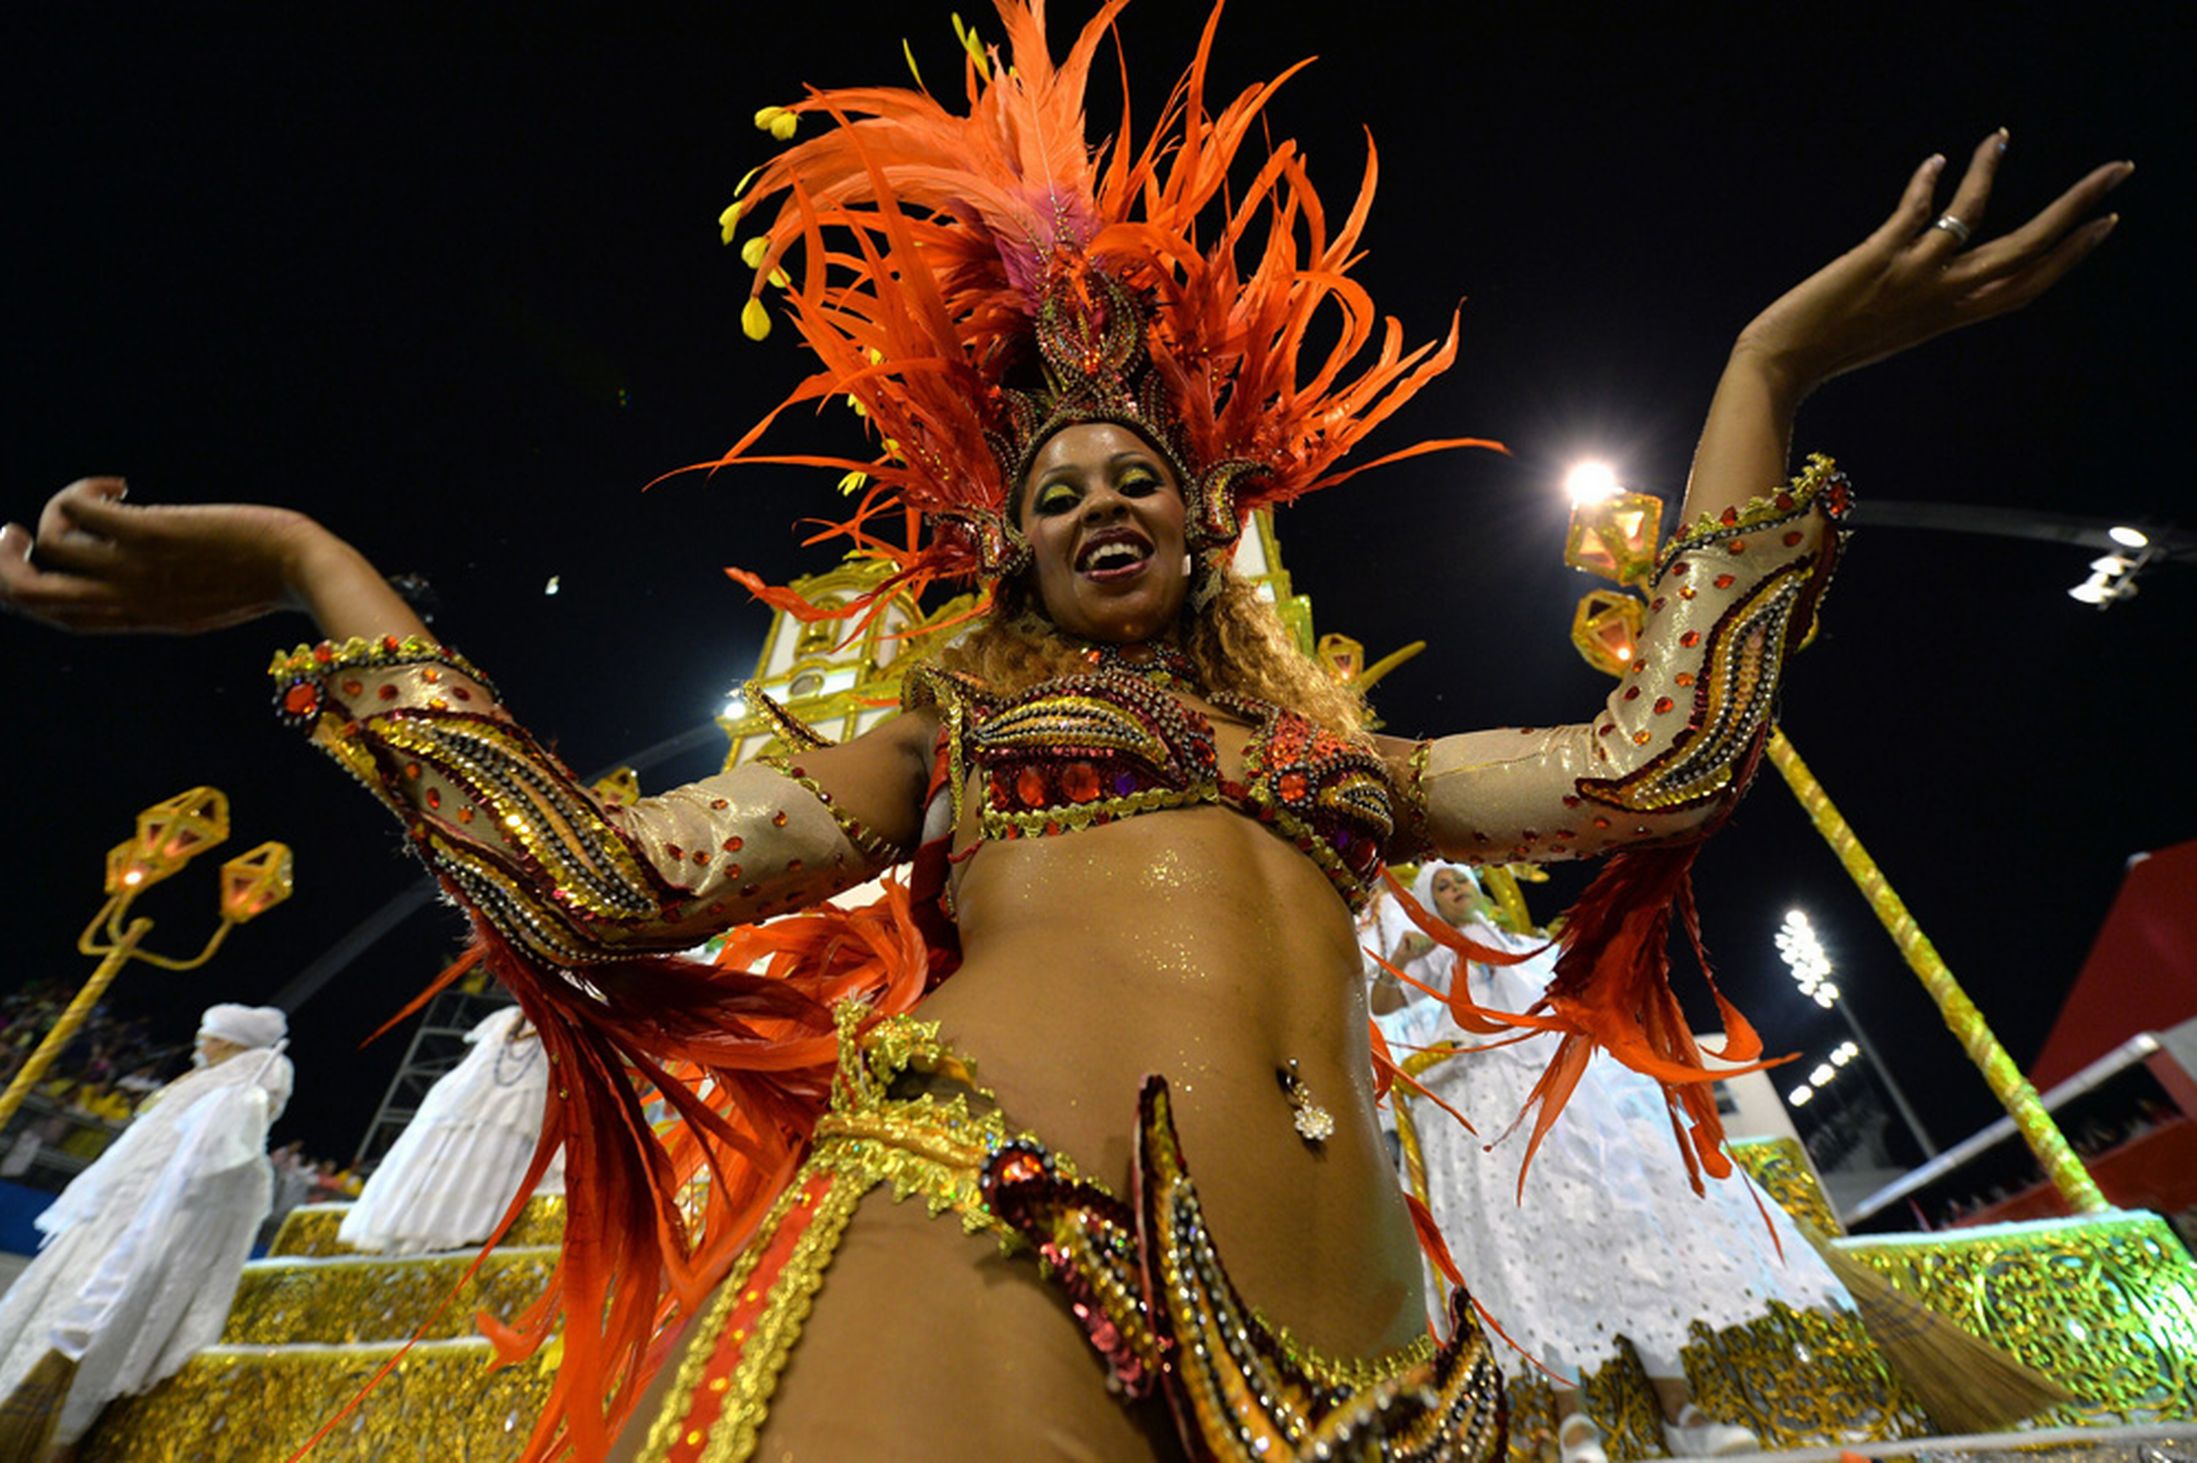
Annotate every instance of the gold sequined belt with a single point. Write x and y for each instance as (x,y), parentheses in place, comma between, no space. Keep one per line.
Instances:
(907,1111)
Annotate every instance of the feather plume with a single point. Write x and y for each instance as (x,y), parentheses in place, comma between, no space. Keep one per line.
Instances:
(931,239)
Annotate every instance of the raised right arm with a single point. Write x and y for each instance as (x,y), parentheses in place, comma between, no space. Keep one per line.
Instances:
(500,820)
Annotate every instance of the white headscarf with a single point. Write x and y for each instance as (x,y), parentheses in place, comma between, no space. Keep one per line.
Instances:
(1422,887)
(247,1026)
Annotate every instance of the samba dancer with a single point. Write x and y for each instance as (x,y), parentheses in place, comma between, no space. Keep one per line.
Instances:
(1077,398)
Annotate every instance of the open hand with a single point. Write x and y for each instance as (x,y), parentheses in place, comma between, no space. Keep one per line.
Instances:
(98,564)
(1914,278)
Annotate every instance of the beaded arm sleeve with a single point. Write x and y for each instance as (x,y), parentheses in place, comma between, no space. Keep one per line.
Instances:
(551,866)
(1646,782)
(1676,742)
(580,904)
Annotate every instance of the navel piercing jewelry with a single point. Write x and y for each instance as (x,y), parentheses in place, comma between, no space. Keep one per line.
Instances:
(1315,1124)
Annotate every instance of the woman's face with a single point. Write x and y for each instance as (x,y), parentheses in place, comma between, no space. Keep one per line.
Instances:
(1454,897)
(1104,517)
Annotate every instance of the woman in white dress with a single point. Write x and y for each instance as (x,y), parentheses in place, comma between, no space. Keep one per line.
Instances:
(143,1251)
(454,1170)
(1608,1237)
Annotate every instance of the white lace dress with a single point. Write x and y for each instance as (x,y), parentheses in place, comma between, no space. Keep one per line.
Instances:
(143,1251)
(453,1171)
(1609,1239)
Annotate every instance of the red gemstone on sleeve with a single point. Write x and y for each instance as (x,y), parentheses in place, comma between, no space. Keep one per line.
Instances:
(302,699)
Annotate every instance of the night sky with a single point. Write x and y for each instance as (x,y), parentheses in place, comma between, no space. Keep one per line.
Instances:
(448,278)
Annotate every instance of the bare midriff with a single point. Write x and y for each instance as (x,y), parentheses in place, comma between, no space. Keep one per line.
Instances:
(1197,945)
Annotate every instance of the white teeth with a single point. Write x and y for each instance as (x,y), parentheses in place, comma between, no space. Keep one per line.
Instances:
(1113,556)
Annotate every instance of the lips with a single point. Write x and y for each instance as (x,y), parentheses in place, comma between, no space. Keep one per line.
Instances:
(1114,554)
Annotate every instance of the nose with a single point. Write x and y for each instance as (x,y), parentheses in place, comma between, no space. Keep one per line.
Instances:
(1104,505)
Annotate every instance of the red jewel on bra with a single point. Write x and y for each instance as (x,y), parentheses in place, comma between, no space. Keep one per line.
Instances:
(1030,787)
(1294,786)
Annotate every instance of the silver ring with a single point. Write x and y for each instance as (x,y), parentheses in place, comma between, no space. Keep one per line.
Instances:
(1953,226)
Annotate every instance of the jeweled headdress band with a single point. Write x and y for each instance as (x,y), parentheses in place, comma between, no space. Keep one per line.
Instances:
(974,281)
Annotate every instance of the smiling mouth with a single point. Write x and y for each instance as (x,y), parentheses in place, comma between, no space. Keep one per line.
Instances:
(1113,556)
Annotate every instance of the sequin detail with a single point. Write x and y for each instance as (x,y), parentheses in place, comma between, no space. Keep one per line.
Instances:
(1085,750)
(1200,1342)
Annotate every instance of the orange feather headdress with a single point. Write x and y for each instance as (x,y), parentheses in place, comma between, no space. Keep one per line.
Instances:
(972,282)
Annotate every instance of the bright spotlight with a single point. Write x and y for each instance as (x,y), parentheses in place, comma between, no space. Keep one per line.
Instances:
(736,706)
(1799,1096)
(2110,565)
(1822,1074)
(1591,482)
(2128,537)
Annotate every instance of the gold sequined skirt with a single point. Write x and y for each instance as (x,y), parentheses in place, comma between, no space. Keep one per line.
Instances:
(1147,1282)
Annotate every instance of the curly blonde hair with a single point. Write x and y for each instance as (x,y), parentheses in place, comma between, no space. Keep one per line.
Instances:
(1235,643)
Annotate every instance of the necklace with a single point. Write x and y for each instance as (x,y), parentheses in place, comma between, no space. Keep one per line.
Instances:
(504,1044)
(1155,660)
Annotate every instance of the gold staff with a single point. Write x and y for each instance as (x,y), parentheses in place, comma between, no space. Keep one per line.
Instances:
(169,835)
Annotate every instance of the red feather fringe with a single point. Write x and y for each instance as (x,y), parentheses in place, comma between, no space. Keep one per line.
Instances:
(1612,991)
(742,1054)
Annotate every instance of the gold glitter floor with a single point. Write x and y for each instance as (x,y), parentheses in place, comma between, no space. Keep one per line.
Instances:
(311,1325)
(2107,1305)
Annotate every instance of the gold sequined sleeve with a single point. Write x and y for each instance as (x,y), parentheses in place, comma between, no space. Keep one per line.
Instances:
(568,874)
(1731,599)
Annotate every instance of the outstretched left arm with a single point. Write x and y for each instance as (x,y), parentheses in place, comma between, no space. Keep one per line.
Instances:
(1735,592)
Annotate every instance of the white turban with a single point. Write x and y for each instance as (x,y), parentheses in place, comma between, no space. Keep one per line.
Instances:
(245,1025)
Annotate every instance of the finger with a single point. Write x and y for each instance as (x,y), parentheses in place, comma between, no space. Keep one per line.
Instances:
(61,599)
(2011,292)
(78,552)
(95,505)
(2038,237)
(1914,205)
(1940,242)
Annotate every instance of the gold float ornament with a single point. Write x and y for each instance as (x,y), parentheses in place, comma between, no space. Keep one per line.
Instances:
(169,835)
(178,830)
(1500,882)
(253,883)
(621,789)
(130,871)
(1344,659)
(1615,537)
(1606,629)
(1341,657)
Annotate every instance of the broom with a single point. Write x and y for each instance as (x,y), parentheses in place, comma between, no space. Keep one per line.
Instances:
(29,1414)
(1966,1384)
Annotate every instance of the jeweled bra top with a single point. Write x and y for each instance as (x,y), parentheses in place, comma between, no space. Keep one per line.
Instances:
(1083,750)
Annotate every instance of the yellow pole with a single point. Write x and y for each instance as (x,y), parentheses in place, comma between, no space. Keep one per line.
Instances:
(1407,1131)
(117,956)
(1962,1018)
